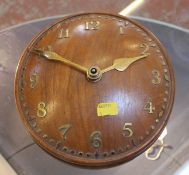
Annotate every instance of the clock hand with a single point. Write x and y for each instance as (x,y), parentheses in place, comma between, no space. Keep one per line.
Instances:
(56,57)
(121,64)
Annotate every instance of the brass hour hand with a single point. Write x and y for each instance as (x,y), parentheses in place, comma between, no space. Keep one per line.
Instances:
(56,57)
(121,64)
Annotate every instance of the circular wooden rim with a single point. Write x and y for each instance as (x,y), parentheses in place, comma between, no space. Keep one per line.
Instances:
(118,159)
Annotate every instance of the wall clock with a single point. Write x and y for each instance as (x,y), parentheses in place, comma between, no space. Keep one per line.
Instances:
(94,89)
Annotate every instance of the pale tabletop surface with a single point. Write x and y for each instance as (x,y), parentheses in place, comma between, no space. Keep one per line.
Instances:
(28,158)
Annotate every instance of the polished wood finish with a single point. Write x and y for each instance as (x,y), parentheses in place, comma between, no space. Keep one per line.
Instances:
(58,105)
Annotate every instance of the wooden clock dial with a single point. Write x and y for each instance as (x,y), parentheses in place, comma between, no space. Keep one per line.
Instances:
(94,89)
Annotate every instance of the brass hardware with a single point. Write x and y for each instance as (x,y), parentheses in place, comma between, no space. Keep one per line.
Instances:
(41,109)
(64,130)
(92,25)
(156,79)
(94,74)
(127,129)
(55,57)
(95,139)
(160,147)
(121,64)
(149,107)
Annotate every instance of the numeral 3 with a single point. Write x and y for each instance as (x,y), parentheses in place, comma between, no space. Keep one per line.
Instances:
(156,79)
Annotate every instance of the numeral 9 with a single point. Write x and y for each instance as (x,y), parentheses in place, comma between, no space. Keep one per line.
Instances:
(33,80)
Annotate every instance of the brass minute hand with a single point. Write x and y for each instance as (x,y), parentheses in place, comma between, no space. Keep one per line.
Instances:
(121,64)
(56,57)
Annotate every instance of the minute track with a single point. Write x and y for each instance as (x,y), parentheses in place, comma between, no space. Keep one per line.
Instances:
(71,100)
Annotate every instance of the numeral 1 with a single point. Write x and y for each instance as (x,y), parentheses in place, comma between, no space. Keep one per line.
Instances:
(127,131)
(122,27)
(92,25)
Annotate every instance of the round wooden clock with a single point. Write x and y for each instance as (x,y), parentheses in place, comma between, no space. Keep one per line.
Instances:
(94,89)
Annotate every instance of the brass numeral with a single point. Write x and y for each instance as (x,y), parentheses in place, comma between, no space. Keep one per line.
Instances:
(156,79)
(128,132)
(41,109)
(33,80)
(63,33)
(149,107)
(123,27)
(64,130)
(92,25)
(96,139)
(145,48)
(121,30)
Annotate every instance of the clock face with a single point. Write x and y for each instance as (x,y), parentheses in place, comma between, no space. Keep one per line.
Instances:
(94,89)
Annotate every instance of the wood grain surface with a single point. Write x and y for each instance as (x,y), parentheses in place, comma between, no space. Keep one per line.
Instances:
(60,108)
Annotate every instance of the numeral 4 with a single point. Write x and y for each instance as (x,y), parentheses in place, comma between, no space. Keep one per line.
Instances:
(149,107)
